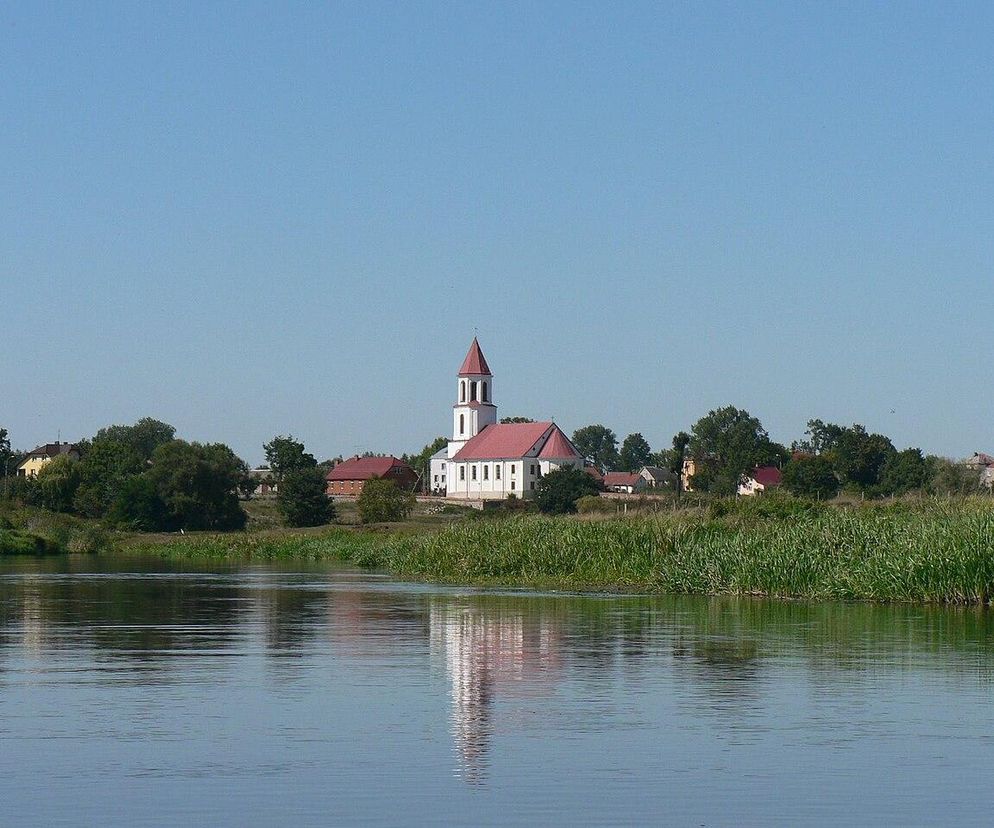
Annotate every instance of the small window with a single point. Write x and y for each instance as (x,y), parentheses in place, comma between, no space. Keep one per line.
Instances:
(462,423)
(486,472)
(483,394)
(531,469)
(532,485)
(472,391)
(474,472)
(512,485)
(462,472)
(462,391)
(512,469)
(497,472)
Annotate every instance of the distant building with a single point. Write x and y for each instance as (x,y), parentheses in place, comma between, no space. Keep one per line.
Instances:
(38,457)
(984,464)
(687,473)
(656,477)
(759,480)
(349,476)
(487,460)
(624,482)
(595,473)
(265,483)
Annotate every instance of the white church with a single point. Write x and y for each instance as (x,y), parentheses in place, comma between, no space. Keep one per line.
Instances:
(487,460)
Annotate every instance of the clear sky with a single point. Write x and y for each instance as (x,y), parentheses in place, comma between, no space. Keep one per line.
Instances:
(258,218)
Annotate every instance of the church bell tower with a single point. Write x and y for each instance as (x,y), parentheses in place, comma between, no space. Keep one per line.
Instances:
(474,409)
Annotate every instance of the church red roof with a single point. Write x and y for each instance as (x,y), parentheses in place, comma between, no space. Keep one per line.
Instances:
(363,468)
(475,362)
(558,445)
(503,441)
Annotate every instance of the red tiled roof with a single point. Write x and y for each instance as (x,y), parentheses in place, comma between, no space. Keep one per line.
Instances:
(503,440)
(621,479)
(558,445)
(363,468)
(767,476)
(475,363)
(594,472)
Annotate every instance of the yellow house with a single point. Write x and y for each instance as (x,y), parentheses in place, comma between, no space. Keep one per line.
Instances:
(36,459)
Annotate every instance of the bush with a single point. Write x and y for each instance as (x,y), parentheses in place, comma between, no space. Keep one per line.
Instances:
(593,504)
(138,507)
(558,492)
(381,501)
(302,500)
(811,477)
(13,542)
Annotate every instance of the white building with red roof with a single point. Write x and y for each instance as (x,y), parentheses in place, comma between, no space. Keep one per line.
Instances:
(488,460)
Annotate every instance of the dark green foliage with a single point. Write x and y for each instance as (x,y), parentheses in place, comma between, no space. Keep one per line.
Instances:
(821,437)
(58,481)
(285,455)
(635,453)
(558,491)
(904,471)
(859,457)
(506,420)
(727,443)
(301,498)
(14,542)
(139,507)
(142,438)
(599,445)
(105,467)
(811,476)
(381,501)
(198,485)
(420,461)
(947,477)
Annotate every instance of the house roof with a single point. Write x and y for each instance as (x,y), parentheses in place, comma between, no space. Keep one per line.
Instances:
(503,441)
(363,468)
(558,445)
(475,363)
(621,479)
(594,472)
(767,476)
(51,450)
(981,459)
(657,473)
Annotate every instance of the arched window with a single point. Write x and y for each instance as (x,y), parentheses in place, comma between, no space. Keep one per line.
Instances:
(472,391)
(462,391)
(462,423)
(483,392)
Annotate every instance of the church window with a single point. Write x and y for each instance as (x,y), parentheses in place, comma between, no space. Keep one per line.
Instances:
(512,485)
(531,469)
(497,472)
(533,485)
(462,423)
(462,472)
(483,394)
(472,391)
(486,472)
(512,468)
(462,391)
(474,472)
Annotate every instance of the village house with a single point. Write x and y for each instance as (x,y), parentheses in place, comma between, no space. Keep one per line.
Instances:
(984,464)
(487,460)
(656,477)
(38,457)
(624,482)
(759,480)
(348,477)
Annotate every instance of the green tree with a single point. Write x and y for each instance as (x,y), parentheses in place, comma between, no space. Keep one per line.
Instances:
(727,443)
(859,457)
(420,462)
(506,420)
(301,498)
(57,483)
(104,467)
(821,437)
(681,442)
(948,477)
(903,472)
(598,444)
(138,507)
(143,438)
(558,491)
(635,453)
(286,454)
(380,501)
(811,476)
(199,485)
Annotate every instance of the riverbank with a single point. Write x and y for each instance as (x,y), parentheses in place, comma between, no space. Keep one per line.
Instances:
(936,551)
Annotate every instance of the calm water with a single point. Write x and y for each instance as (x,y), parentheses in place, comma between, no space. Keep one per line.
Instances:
(166,694)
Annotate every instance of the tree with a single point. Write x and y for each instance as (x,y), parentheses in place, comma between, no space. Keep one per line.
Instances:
(598,444)
(903,472)
(506,420)
(681,441)
(822,437)
(380,501)
(635,453)
(947,477)
(103,469)
(285,455)
(727,443)
(138,506)
(199,485)
(811,476)
(143,438)
(858,457)
(57,483)
(302,500)
(420,462)
(558,491)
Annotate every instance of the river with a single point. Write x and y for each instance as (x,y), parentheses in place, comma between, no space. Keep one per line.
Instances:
(151,693)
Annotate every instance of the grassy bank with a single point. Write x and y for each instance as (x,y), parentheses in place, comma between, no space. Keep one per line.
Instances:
(934,551)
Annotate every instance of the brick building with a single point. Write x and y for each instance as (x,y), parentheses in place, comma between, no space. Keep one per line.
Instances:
(348,477)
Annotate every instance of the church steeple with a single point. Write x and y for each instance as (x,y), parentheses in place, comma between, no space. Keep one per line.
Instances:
(474,409)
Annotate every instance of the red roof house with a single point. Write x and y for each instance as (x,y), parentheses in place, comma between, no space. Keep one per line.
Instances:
(349,476)
(761,479)
(624,482)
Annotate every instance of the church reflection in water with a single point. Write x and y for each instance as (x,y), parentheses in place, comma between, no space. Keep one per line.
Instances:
(489,655)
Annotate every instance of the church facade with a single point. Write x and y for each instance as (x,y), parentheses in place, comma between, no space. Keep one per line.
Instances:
(489,460)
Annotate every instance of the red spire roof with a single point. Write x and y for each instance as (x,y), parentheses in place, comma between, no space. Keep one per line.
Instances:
(475,362)
(558,446)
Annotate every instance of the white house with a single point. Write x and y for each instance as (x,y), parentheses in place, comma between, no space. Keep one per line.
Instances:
(487,460)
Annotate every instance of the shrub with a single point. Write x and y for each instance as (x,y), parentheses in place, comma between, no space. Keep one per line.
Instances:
(558,492)
(302,500)
(381,501)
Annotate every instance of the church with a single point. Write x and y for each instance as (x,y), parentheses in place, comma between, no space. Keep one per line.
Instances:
(488,460)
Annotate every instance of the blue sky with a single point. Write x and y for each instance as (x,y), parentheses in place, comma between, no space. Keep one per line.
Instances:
(251,219)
